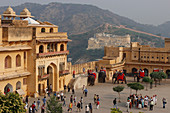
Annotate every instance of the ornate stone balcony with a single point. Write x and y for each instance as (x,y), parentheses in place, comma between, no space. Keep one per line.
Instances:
(41,77)
(52,53)
(64,72)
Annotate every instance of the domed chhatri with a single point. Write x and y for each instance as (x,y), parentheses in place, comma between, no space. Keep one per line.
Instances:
(9,13)
(25,14)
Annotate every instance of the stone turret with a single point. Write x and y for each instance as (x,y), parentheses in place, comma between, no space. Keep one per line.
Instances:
(9,13)
(25,14)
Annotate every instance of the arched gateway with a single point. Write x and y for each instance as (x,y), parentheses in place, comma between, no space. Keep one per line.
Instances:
(52,79)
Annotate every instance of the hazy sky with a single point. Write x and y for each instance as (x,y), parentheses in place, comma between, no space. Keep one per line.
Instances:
(143,11)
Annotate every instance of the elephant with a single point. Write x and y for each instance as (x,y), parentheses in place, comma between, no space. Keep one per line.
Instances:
(102,76)
(91,80)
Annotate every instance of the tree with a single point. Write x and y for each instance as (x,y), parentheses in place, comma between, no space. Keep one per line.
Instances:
(161,75)
(118,89)
(146,80)
(11,103)
(158,76)
(136,86)
(53,106)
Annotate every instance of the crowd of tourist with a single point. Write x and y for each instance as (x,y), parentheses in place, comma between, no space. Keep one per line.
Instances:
(143,102)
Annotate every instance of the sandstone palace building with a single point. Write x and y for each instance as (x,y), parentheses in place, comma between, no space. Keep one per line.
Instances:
(33,54)
(131,59)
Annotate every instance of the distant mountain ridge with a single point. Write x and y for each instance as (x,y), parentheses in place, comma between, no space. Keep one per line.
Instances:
(76,18)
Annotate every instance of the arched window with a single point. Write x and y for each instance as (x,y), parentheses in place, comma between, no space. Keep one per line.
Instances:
(51,30)
(56,47)
(18,85)
(18,60)
(8,88)
(41,49)
(8,62)
(48,47)
(62,47)
(42,30)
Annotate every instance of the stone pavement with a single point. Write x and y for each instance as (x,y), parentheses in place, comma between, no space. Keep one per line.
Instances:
(106,94)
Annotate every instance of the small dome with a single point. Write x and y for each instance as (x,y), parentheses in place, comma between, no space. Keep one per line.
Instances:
(25,13)
(9,12)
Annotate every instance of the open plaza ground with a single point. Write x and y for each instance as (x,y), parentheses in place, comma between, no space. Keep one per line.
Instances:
(106,94)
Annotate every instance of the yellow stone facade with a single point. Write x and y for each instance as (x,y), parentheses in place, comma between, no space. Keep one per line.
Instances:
(131,59)
(33,55)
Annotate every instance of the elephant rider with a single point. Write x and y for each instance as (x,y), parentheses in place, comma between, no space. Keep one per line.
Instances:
(91,78)
(114,76)
(120,76)
(141,73)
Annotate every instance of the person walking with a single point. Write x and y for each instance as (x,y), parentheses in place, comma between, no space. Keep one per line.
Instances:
(78,107)
(58,96)
(26,99)
(95,98)
(68,88)
(43,108)
(73,90)
(30,109)
(48,92)
(71,99)
(164,102)
(151,105)
(33,108)
(97,105)
(70,107)
(128,104)
(44,100)
(75,98)
(91,108)
(114,103)
(65,87)
(38,104)
(64,101)
(85,92)
(74,74)
(84,70)
(62,95)
(81,102)
(87,109)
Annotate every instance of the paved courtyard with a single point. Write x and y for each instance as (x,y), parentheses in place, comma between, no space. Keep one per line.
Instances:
(106,94)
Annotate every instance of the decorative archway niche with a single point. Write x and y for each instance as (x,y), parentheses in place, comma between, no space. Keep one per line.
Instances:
(8,88)
(18,85)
